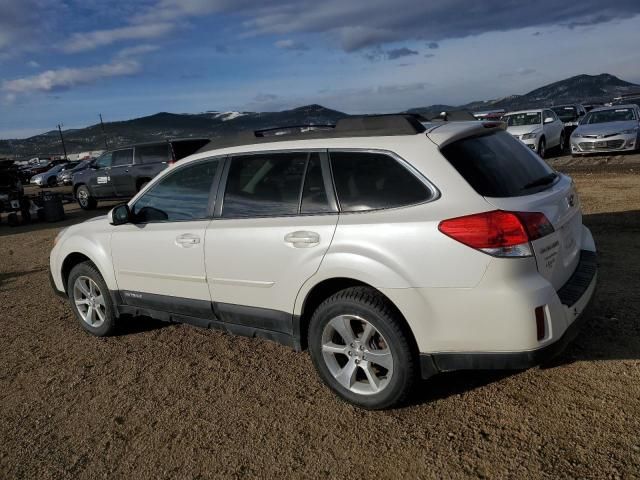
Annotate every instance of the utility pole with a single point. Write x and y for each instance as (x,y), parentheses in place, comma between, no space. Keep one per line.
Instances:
(103,133)
(62,140)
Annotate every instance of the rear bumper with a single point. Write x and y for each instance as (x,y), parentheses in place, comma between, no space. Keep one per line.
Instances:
(575,295)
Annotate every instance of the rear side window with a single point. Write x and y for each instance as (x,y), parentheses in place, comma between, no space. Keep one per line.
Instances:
(122,157)
(371,181)
(498,165)
(179,196)
(152,153)
(264,185)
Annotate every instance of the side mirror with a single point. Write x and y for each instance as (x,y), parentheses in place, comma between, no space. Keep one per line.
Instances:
(548,120)
(119,215)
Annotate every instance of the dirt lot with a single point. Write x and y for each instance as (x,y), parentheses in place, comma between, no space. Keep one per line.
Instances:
(173,401)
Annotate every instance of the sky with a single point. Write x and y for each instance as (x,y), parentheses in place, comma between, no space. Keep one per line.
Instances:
(66,61)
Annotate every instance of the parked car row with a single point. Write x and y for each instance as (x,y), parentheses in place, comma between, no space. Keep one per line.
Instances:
(602,129)
(121,173)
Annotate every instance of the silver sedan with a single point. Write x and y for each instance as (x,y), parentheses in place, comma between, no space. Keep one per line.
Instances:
(607,129)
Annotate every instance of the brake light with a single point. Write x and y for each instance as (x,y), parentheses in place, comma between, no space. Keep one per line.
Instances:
(536,224)
(498,233)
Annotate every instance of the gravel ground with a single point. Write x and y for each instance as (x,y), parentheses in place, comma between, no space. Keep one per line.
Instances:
(174,401)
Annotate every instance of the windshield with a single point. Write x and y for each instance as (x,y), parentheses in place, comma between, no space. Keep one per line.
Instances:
(613,115)
(57,168)
(566,114)
(81,165)
(521,119)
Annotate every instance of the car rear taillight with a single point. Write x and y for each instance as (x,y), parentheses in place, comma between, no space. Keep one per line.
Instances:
(498,233)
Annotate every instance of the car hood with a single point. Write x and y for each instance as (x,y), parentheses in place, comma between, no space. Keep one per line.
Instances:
(606,128)
(101,218)
(522,129)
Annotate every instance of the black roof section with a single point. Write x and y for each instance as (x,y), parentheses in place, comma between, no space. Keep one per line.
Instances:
(357,126)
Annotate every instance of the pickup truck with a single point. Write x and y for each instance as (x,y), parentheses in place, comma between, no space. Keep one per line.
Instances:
(121,173)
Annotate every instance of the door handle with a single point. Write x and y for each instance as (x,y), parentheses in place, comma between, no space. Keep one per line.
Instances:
(187,240)
(302,239)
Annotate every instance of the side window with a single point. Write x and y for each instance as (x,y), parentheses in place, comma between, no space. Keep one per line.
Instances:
(370,181)
(152,153)
(314,193)
(104,161)
(179,196)
(122,157)
(267,184)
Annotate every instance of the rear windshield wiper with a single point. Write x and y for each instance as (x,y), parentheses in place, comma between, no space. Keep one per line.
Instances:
(546,180)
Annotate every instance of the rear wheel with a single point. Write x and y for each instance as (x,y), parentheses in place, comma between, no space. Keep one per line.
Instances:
(51,182)
(361,349)
(542,148)
(85,200)
(90,299)
(563,143)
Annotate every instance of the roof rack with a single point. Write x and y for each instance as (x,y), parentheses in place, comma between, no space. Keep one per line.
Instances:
(356,126)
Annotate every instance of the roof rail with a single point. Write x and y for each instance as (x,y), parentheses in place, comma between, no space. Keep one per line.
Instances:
(309,126)
(356,126)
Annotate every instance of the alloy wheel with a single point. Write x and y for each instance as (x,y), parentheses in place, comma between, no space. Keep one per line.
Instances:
(89,301)
(357,355)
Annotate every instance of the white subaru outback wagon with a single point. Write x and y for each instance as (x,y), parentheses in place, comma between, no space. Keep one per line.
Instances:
(391,249)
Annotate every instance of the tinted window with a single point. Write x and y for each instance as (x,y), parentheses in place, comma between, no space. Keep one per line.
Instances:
(314,194)
(498,165)
(264,185)
(152,153)
(522,119)
(104,161)
(566,114)
(181,195)
(122,157)
(368,181)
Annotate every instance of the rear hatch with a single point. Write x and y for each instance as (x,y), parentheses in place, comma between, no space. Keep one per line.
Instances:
(511,177)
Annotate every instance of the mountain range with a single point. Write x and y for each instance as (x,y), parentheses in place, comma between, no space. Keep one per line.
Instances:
(581,88)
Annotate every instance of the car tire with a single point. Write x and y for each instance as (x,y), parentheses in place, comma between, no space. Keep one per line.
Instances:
(343,360)
(90,300)
(542,148)
(85,200)
(562,146)
(51,182)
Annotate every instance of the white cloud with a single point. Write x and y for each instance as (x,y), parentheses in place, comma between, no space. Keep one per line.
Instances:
(137,50)
(291,45)
(33,64)
(90,40)
(64,78)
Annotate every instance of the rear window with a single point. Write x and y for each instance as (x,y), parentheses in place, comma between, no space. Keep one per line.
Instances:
(498,165)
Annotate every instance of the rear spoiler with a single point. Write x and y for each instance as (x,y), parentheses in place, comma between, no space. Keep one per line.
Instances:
(448,133)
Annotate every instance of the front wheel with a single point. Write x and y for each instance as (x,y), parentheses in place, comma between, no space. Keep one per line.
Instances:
(90,299)
(52,182)
(361,349)
(85,200)
(563,143)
